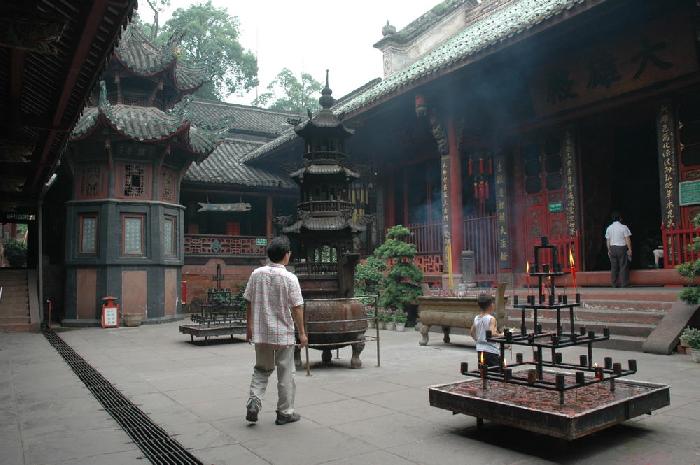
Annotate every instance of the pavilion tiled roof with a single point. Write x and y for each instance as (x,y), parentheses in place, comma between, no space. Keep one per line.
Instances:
(243,118)
(224,166)
(142,57)
(144,124)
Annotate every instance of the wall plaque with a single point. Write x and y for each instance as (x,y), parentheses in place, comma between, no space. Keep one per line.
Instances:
(689,193)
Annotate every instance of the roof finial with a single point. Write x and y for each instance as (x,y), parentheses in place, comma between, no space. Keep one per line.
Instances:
(326,100)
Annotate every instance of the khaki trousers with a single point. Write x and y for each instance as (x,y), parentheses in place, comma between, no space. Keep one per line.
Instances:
(267,357)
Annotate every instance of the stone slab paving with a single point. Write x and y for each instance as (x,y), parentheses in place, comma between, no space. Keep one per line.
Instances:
(360,417)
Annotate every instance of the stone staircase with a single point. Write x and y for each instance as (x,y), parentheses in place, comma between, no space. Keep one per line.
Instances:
(14,302)
(631,314)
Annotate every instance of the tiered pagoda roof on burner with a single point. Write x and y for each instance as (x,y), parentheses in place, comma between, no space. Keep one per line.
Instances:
(325,232)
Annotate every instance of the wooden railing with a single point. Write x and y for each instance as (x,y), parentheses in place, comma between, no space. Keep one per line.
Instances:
(426,237)
(309,268)
(481,236)
(678,245)
(223,245)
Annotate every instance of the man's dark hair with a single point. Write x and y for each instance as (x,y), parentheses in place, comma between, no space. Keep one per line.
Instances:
(484,301)
(277,249)
(616,216)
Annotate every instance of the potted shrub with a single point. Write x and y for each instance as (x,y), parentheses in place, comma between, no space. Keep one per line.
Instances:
(400,320)
(691,337)
(400,285)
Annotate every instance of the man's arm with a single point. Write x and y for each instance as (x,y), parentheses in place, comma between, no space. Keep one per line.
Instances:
(628,241)
(298,316)
(494,328)
(472,331)
(249,321)
(607,243)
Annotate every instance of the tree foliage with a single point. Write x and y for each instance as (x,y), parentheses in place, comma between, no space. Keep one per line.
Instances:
(210,40)
(400,285)
(691,271)
(289,93)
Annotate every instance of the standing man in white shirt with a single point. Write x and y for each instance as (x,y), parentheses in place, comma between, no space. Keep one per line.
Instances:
(274,303)
(617,237)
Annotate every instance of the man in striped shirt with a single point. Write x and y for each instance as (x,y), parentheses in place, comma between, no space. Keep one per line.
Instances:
(274,305)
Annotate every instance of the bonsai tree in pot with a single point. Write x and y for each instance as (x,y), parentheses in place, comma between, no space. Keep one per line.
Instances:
(691,338)
(400,285)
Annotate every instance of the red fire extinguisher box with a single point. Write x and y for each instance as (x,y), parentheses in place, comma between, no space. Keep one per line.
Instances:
(110,312)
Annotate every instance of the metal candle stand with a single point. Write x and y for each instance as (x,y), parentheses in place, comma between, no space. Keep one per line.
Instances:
(546,274)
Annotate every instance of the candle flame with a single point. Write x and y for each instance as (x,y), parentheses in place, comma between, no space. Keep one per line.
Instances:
(572,262)
(505,363)
(481,358)
(527,267)
(595,364)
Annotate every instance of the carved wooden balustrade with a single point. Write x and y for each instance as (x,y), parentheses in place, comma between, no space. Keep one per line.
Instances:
(224,245)
(678,245)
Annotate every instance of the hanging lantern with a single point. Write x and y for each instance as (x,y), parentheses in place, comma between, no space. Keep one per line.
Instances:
(421,106)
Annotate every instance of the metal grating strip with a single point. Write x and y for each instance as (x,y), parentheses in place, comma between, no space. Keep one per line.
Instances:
(154,441)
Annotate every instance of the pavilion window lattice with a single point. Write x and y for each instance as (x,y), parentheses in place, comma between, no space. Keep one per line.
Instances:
(134,180)
(90,181)
(167,185)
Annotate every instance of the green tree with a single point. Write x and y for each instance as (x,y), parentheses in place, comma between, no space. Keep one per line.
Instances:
(210,40)
(288,93)
(401,284)
(156,6)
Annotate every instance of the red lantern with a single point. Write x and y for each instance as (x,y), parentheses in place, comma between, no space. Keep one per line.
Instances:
(421,106)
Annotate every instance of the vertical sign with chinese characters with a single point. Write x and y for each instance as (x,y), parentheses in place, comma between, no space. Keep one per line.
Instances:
(502,210)
(569,161)
(668,173)
(445,182)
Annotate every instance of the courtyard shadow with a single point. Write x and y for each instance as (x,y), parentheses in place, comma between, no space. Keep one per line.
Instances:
(556,450)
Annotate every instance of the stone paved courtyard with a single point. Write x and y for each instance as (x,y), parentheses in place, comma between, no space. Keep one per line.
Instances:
(364,417)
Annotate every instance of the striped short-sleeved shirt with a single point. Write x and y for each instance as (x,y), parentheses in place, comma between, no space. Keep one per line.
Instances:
(272,292)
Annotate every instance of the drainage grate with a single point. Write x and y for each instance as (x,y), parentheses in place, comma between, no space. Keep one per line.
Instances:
(153,441)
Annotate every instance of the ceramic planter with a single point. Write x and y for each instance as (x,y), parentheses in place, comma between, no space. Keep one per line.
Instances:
(694,354)
(400,327)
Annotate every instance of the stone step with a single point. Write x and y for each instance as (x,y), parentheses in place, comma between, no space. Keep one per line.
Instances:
(6,310)
(620,342)
(627,304)
(624,329)
(16,290)
(20,327)
(596,315)
(11,320)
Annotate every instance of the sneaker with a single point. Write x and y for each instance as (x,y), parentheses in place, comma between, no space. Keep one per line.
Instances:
(283,419)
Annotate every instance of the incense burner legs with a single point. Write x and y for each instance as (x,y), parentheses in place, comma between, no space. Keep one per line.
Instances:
(355,361)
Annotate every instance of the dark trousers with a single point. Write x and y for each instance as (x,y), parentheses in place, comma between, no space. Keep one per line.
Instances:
(619,265)
(491,359)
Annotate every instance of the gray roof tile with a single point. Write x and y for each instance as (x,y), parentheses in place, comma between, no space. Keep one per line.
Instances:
(224,166)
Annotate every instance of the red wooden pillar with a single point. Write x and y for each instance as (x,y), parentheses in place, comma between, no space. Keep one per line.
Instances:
(268,217)
(405,196)
(456,212)
(390,202)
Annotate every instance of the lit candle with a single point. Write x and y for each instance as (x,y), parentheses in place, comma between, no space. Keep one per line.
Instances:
(527,276)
